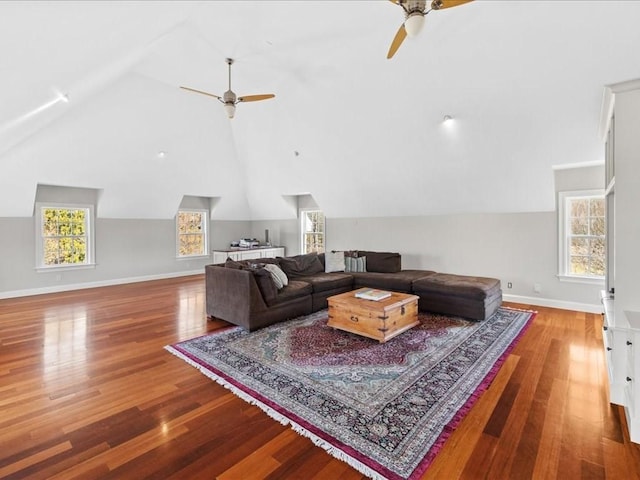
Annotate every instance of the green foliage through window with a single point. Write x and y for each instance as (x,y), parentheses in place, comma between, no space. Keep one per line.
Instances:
(191,233)
(64,236)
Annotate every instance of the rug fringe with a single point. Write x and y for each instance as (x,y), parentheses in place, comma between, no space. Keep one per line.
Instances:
(283,420)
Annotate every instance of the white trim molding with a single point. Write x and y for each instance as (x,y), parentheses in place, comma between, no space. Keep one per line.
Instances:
(103,283)
(553,303)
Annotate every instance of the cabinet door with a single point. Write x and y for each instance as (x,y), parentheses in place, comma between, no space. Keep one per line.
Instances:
(219,257)
(632,388)
(615,341)
(250,254)
(272,252)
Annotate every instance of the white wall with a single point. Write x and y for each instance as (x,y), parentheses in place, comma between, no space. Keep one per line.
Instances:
(126,250)
(518,248)
(282,233)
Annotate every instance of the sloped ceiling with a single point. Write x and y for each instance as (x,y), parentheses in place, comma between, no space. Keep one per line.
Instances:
(362,134)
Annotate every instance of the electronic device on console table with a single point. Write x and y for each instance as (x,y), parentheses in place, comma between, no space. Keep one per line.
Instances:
(248,243)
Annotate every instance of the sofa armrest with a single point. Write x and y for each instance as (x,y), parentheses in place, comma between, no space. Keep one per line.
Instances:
(232,294)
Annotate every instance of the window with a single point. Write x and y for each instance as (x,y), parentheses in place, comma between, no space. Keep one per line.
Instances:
(582,236)
(312,228)
(191,228)
(65,235)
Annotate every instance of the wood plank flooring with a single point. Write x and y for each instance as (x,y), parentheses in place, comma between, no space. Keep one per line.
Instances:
(88,392)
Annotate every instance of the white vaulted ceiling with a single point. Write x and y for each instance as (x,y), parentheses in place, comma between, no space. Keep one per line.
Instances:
(523,80)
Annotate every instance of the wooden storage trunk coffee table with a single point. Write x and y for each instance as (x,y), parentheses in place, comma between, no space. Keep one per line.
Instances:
(377,319)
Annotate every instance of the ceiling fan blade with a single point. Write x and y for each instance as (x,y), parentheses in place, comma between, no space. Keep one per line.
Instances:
(440,4)
(255,98)
(397,41)
(200,91)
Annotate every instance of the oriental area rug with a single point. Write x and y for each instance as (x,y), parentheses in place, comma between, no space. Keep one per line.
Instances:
(385,409)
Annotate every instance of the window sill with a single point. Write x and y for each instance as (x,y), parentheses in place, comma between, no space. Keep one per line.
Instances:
(194,257)
(583,280)
(84,266)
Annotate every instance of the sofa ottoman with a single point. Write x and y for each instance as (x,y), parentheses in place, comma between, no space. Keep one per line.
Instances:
(476,298)
(401,281)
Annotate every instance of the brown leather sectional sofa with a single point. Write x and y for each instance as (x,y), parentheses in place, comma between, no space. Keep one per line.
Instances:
(243,293)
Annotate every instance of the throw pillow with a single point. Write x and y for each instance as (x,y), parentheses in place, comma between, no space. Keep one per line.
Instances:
(277,275)
(334,262)
(266,285)
(301,265)
(355,264)
(230,263)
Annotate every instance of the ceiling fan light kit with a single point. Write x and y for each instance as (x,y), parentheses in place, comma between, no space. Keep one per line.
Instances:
(230,108)
(413,24)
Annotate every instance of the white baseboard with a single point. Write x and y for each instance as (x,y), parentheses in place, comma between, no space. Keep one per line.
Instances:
(543,302)
(549,302)
(102,283)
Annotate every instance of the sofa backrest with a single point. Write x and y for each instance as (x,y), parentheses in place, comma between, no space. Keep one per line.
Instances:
(383,262)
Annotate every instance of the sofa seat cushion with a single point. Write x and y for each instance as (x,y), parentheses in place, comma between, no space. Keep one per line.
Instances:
(401,281)
(295,289)
(458,285)
(322,282)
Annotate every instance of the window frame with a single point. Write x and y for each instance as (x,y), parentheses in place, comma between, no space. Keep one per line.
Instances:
(303,234)
(564,218)
(205,233)
(89,236)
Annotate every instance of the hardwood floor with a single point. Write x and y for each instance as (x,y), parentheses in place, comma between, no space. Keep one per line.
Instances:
(87,391)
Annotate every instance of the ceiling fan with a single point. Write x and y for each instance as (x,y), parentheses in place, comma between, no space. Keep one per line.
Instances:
(414,11)
(229,98)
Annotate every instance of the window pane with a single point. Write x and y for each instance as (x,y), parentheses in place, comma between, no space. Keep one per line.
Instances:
(191,245)
(596,247)
(579,265)
(597,266)
(597,207)
(579,246)
(51,251)
(597,226)
(579,207)
(579,226)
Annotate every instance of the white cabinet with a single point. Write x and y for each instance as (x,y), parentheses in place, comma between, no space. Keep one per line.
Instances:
(621,300)
(621,339)
(632,378)
(614,339)
(237,254)
(250,254)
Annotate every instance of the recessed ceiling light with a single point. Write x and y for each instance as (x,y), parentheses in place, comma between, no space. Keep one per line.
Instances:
(447,119)
(162,154)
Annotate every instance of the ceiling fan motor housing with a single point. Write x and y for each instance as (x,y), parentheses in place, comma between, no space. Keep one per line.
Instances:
(415,6)
(229,97)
